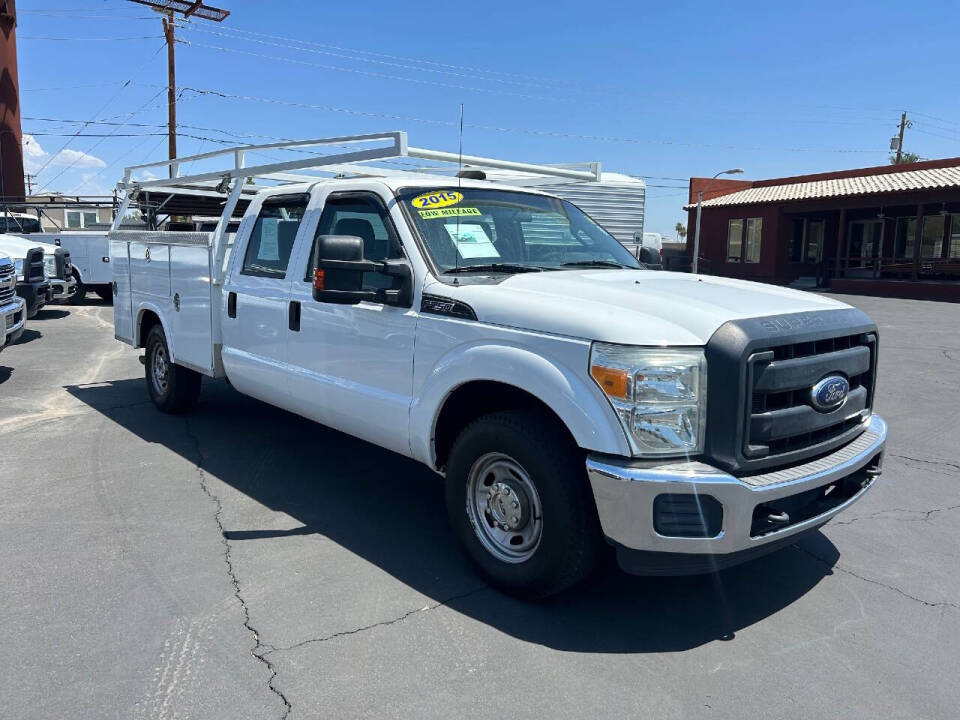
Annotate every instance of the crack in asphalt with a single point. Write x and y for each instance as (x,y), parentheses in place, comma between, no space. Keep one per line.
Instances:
(945,463)
(260,649)
(894,588)
(924,515)
(382,623)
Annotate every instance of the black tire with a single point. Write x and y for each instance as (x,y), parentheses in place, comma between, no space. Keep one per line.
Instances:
(105,293)
(173,388)
(81,294)
(570,538)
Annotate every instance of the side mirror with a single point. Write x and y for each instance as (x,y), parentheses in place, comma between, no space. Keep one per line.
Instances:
(338,274)
(338,270)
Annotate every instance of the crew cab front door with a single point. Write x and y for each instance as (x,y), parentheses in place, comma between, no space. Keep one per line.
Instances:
(352,365)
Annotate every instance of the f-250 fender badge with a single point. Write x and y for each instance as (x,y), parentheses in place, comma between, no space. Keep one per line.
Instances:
(436,199)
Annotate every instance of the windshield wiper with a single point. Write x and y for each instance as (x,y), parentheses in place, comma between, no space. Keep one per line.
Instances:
(595,263)
(494,267)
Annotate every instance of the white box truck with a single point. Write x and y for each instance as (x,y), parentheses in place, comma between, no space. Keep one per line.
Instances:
(569,398)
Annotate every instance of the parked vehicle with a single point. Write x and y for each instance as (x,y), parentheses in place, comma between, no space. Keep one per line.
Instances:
(13,310)
(568,396)
(28,262)
(56,264)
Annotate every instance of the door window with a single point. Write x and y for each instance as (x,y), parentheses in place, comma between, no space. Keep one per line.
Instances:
(272,237)
(754,236)
(734,240)
(363,216)
(815,240)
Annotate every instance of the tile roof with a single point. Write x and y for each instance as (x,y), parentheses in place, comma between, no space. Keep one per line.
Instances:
(840,187)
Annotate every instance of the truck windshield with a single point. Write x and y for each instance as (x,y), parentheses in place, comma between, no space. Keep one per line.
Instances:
(508,231)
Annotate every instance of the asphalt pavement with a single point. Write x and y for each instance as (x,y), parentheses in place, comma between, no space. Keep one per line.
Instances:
(241,562)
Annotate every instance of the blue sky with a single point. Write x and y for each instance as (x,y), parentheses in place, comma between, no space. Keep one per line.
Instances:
(663,90)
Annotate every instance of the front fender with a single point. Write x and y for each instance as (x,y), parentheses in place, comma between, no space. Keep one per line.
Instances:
(572,395)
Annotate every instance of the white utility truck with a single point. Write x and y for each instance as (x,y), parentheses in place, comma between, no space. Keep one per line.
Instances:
(79,260)
(499,336)
(13,309)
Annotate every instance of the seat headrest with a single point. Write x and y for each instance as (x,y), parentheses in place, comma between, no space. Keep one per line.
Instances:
(355,226)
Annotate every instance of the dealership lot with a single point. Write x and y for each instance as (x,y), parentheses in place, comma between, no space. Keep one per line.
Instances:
(241,562)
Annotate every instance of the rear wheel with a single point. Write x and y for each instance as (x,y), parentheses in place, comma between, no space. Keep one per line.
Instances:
(518,498)
(105,293)
(173,388)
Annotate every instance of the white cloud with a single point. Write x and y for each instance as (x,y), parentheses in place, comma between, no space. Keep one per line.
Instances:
(77,159)
(33,154)
(34,157)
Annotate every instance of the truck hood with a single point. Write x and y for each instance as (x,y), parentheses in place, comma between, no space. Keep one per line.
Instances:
(630,307)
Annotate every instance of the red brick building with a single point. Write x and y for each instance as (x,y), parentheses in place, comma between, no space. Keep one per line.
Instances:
(888,230)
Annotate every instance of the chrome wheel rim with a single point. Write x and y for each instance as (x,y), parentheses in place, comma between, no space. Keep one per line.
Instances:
(504,508)
(159,370)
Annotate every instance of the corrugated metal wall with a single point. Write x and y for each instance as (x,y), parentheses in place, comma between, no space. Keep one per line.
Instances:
(617,202)
(618,207)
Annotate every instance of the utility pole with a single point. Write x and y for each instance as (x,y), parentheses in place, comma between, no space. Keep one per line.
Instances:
(169,8)
(171,87)
(903,126)
(28,179)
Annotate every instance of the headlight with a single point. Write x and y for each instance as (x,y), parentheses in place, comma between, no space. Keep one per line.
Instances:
(659,394)
(18,268)
(50,266)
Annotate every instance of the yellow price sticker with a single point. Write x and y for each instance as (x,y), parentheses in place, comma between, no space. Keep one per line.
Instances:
(449,212)
(436,199)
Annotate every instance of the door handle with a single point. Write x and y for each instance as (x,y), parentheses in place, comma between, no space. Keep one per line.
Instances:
(231,304)
(293,316)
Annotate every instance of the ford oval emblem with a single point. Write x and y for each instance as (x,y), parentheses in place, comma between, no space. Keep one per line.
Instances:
(829,393)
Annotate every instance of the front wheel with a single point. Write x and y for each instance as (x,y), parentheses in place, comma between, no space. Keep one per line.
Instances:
(173,388)
(519,500)
(81,293)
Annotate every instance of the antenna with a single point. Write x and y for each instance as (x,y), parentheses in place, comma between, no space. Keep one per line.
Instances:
(456,255)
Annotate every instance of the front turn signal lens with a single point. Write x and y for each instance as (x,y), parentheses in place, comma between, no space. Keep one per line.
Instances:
(613,381)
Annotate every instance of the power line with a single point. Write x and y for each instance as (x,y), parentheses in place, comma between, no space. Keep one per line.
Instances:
(369,73)
(345,56)
(408,59)
(505,129)
(95,145)
(112,98)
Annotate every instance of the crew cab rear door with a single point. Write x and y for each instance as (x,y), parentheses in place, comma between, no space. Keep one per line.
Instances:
(352,365)
(256,297)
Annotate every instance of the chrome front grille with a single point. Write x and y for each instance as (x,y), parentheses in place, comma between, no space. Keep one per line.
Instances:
(781,417)
(8,283)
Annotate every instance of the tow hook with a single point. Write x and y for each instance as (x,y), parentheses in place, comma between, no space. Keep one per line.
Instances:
(778,518)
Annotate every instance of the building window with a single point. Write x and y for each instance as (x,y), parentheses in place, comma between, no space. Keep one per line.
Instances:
(955,237)
(754,236)
(81,218)
(931,240)
(815,230)
(734,240)
(796,239)
(905,237)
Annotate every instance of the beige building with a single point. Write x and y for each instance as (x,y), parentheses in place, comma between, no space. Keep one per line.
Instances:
(68,212)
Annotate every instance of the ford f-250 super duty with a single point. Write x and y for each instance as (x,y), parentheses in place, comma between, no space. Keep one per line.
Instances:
(502,338)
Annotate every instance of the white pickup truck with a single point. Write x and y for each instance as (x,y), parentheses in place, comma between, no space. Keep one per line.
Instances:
(13,309)
(499,336)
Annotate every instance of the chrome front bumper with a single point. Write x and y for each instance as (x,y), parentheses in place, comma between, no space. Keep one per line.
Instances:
(63,289)
(13,318)
(625,493)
